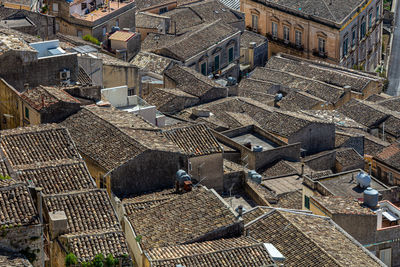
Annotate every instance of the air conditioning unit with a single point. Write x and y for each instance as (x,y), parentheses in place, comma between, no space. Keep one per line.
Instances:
(65,75)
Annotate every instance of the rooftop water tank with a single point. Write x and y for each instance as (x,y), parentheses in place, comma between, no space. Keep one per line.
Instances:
(182,176)
(371,197)
(257,148)
(278,97)
(256,178)
(363,179)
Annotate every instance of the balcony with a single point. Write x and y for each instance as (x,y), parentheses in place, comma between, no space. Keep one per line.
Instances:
(283,42)
(321,54)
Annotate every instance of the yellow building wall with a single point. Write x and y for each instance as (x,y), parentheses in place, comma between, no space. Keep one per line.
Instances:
(310,31)
(15,6)
(114,76)
(10,104)
(156,10)
(34,116)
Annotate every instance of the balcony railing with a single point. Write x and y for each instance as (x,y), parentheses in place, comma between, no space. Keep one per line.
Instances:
(284,42)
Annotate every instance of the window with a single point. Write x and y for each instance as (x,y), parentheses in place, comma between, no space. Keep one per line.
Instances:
(306,202)
(298,38)
(230,54)
(378,11)
(345,46)
(274,29)
(131,91)
(83,6)
(26,113)
(321,45)
(254,22)
(117,23)
(390,178)
(216,63)
(79,33)
(286,33)
(385,255)
(370,20)
(163,10)
(104,31)
(55,7)
(353,37)
(203,68)
(363,28)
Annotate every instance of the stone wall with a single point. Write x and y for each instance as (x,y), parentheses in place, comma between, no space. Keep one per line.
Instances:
(316,137)
(44,71)
(323,161)
(44,25)
(27,240)
(145,172)
(208,170)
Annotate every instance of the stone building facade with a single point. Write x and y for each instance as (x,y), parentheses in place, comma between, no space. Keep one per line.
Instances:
(348,34)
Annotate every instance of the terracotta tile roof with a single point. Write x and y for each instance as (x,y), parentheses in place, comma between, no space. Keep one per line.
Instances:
(12,259)
(197,39)
(319,72)
(58,176)
(376,98)
(148,20)
(254,213)
(392,103)
(342,205)
(362,113)
(43,143)
(372,144)
(327,92)
(195,140)
(309,240)
(42,97)
(201,12)
(348,156)
(298,100)
(251,255)
(147,4)
(170,100)
(16,206)
(201,209)
(115,136)
(191,81)
(276,121)
(248,36)
(279,168)
(334,13)
(87,246)
(179,251)
(122,36)
(391,155)
(86,211)
(136,203)
(152,62)
(333,240)
(289,200)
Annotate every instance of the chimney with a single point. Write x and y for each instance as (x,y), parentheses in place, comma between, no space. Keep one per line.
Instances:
(39,196)
(26,86)
(379,219)
(347,88)
(252,46)
(42,101)
(302,169)
(240,210)
(57,223)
